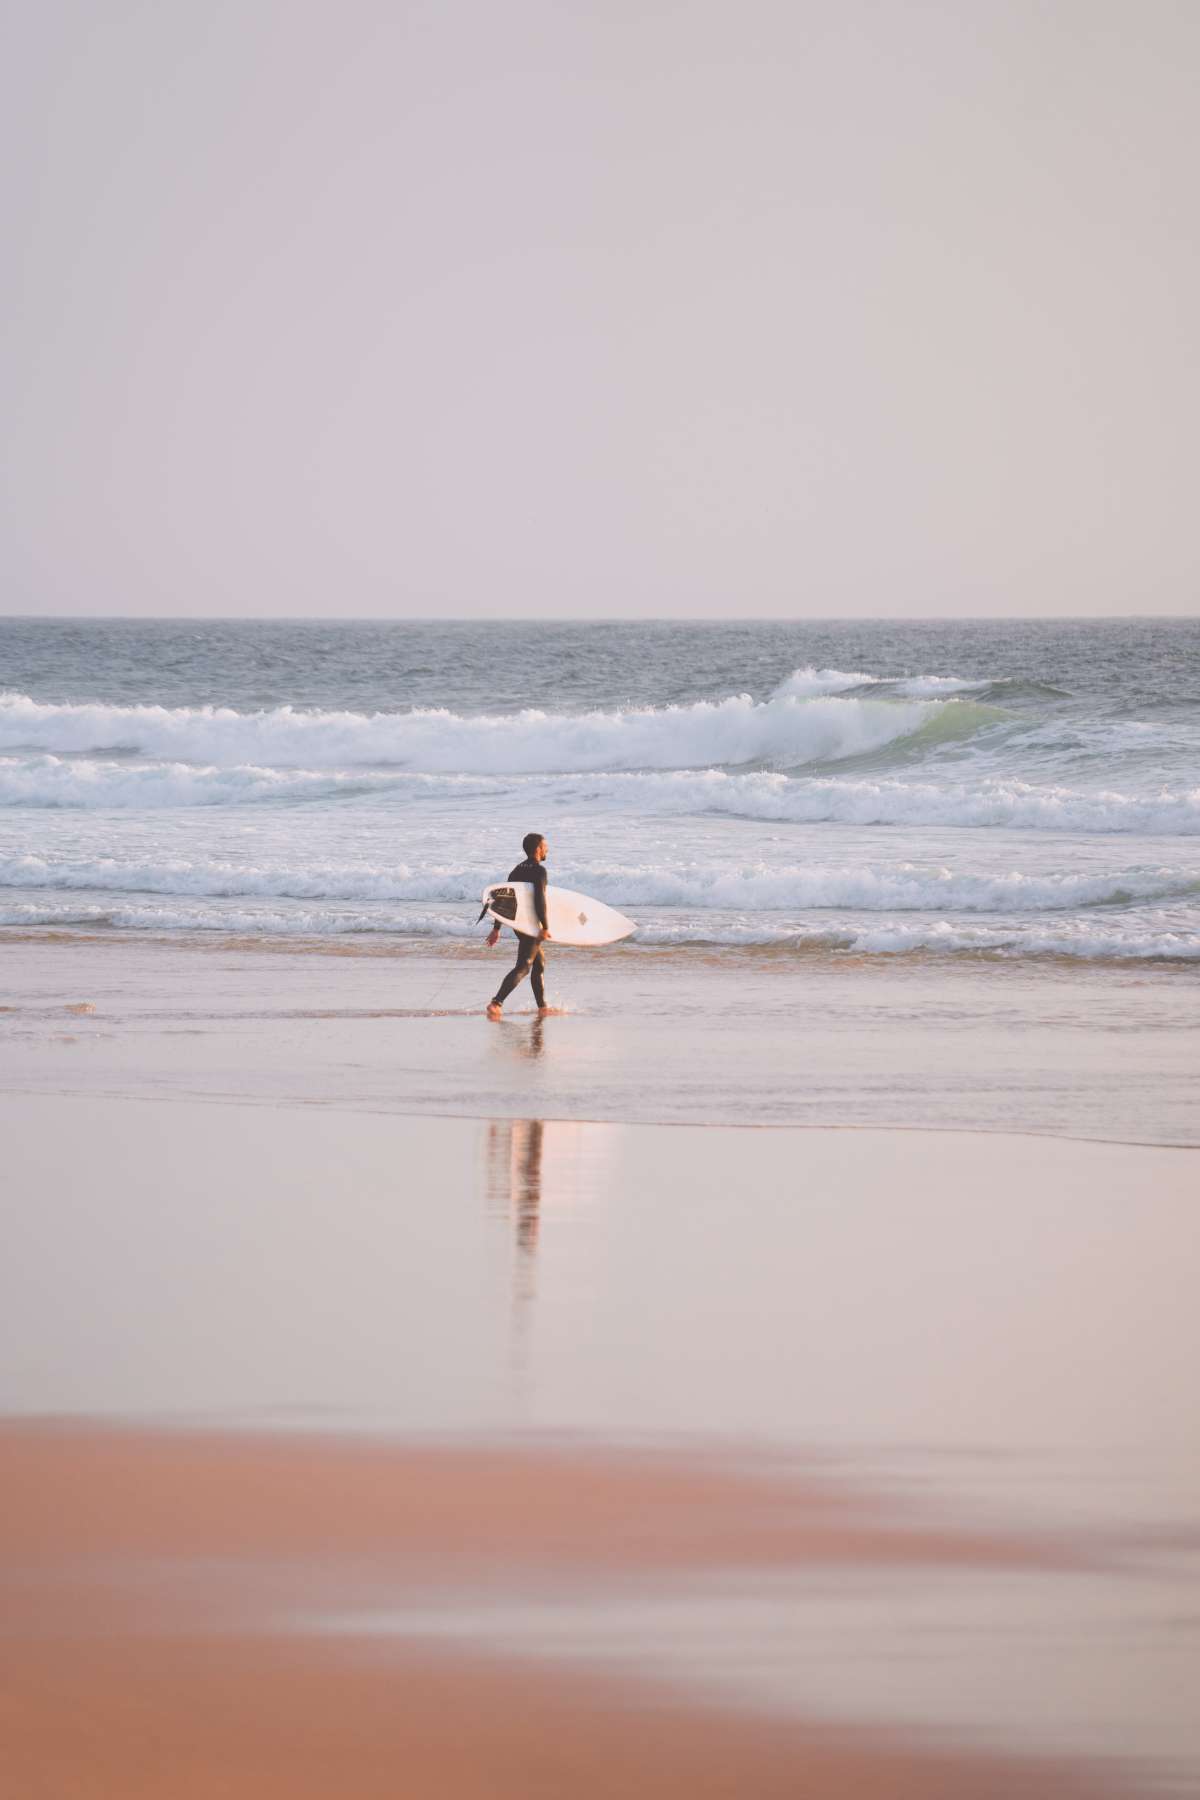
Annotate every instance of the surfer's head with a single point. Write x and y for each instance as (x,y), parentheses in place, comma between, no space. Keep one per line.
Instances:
(534,844)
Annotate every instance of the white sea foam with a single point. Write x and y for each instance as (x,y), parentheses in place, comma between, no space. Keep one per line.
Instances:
(167,917)
(1071,938)
(995,802)
(211,878)
(802,683)
(786,731)
(883,888)
(1150,937)
(83,783)
(934,687)
(900,887)
(986,802)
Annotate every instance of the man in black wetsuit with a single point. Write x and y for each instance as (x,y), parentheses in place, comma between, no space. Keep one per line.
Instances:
(531,958)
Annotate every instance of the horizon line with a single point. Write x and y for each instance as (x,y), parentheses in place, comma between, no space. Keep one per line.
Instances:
(593,619)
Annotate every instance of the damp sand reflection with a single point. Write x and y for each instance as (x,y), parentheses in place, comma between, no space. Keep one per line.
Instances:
(534,1169)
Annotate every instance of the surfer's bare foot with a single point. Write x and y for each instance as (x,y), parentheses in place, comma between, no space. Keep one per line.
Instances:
(493,1011)
(550,1012)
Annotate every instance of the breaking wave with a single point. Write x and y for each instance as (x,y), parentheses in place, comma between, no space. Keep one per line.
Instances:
(802,683)
(786,731)
(995,689)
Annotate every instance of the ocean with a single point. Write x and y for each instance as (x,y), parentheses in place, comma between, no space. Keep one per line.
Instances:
(1007,790)
(944,875)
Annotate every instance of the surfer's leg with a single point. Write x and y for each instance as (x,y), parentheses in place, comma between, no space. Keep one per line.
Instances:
(537,976)
(520,969)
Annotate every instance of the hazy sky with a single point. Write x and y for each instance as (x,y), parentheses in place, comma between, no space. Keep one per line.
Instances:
(567,307)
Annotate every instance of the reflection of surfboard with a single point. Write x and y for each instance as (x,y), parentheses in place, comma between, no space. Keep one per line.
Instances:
(574,918)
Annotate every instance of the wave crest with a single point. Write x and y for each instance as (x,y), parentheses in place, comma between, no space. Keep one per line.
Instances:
(785,731)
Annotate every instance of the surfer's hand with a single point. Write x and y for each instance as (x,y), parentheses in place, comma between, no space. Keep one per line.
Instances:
(542,934)
(493,937)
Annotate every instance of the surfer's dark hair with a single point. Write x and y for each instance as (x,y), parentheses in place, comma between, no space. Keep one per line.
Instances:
(530,842)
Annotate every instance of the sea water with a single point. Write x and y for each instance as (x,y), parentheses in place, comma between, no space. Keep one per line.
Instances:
(940,875)
(1004,790)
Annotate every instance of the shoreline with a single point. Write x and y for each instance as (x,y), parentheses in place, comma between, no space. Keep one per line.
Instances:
(1091,1056)
(388,943)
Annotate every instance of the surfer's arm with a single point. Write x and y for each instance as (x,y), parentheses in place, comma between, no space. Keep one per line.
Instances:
(493,936)
(539,902)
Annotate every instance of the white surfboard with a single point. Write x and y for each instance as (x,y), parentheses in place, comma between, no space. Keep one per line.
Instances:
(574,918)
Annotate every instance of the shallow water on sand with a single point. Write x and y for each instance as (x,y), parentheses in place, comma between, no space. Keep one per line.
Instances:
(812,1290)
(682,1035)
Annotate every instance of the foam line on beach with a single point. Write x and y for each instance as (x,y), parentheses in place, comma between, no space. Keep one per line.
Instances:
(1157,937)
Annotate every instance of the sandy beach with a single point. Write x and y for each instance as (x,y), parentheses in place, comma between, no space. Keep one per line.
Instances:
(348,1452)
(722,469)
(155,1583)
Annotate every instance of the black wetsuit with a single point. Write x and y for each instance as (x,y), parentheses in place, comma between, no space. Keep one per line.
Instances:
(531,956)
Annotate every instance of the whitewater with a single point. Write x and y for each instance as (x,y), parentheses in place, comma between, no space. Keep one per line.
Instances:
(1001,792)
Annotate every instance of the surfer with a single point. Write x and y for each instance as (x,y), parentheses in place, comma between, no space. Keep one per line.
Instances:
(531,958)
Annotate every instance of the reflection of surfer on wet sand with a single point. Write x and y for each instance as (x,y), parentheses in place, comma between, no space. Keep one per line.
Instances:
(534,1166)
(527,904)
(527,1138)
(514,1155)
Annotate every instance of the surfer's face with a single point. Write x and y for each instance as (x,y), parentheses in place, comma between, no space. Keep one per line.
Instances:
(539,854)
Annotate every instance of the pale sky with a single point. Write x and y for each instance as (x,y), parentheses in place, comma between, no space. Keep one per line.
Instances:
(487,308)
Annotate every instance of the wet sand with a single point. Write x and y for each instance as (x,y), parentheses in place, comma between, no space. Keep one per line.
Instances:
(154,1587)
(634,1459)
(686,1035)
(436,1512)
(274,1719)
